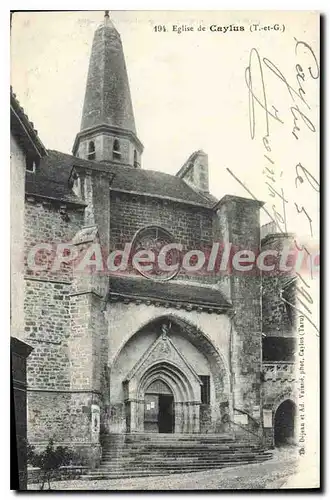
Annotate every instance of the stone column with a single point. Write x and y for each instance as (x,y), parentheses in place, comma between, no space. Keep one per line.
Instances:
(196,408)
(128,416)
(140,415)
(133,411)
(179,417)
(191,417)
(185,428)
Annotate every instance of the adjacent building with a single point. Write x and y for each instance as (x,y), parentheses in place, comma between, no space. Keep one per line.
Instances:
(26,151)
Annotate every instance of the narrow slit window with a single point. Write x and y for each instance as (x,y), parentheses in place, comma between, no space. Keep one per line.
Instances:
(205,389)
(91,150)
(116,153)
(136,163)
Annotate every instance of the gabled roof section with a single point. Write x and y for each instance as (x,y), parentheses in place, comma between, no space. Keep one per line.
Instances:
(162,349)
(188,164)
(238,199)
(52,180)
(23,129)
(158,184)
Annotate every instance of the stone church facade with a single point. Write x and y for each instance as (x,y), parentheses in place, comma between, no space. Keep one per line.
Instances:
(188,353)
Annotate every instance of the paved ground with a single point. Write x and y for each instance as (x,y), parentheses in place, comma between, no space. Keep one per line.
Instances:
(273,474)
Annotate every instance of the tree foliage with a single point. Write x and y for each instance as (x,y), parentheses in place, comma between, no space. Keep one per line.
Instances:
(49,460)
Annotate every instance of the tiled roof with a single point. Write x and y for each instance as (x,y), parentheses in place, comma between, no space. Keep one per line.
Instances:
(21,125)
(51,180)
(157,183)
(171,291)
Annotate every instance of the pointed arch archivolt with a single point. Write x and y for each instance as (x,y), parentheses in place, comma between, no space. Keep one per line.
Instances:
(172,376)
(218,366)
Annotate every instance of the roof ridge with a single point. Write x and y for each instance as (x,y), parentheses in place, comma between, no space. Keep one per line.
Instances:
(154,183)
(26,123)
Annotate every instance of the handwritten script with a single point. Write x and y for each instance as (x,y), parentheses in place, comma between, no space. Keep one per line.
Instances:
(266,114)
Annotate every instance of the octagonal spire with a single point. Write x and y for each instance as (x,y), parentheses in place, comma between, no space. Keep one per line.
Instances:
(107,129)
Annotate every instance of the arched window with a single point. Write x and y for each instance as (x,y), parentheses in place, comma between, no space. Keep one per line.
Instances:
(136,163)
(116,153)
(91,150)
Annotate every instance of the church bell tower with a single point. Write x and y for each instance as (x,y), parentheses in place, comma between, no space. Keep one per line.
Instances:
(107,131)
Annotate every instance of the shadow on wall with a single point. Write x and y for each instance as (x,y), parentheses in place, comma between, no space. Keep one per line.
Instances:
(284,424)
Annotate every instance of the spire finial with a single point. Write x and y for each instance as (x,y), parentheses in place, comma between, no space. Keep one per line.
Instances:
(107,21)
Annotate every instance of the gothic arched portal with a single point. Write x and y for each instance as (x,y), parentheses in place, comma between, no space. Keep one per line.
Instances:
(164,363)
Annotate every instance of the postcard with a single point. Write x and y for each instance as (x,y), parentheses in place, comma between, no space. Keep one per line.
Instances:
(165,250)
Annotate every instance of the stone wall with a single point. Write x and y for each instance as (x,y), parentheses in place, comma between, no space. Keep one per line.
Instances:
(17,182)
(280,382)
(278,324)
(47,299)
(65,370)
(276,313)
(189,226)
(237,223)
(44,223)
(66,417)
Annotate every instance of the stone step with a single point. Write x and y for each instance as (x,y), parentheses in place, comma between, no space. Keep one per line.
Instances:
(180,441)
(127,473)
(181,449)
(149,458)
(174,465)
(160,455)
(135,442)
(178,462)
(184,445)
(156,437)
(138,455)
(130,474)
(185,458)
(168,435)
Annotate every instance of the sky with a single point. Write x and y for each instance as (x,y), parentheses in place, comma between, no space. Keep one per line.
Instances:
(189,92)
